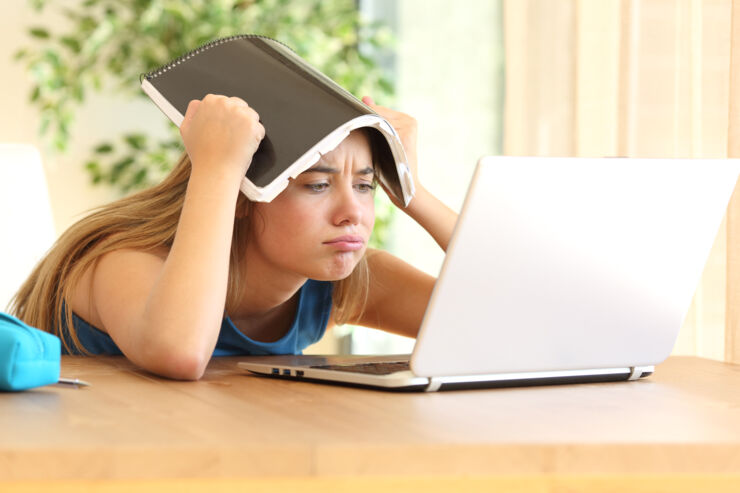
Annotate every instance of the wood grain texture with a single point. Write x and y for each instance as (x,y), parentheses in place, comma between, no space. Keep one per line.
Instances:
(509,484)
(131,425)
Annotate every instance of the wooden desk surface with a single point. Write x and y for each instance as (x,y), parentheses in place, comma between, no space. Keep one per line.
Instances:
(130,425)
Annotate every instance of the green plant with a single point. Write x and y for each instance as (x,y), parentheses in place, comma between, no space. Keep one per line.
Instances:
(109,43)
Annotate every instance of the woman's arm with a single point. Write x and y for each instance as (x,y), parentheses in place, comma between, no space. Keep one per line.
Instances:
(434,216)
(398,295)
(426,209)
(165,313)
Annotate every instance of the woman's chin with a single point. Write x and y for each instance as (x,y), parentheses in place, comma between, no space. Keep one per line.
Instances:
(338,269)
(333,276)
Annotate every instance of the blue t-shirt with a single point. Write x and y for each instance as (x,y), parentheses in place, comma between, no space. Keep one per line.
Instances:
(309,325)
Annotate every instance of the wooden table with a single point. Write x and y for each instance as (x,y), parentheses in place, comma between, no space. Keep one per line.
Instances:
(675,431)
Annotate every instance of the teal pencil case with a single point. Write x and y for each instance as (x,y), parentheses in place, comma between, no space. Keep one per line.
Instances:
(29,357)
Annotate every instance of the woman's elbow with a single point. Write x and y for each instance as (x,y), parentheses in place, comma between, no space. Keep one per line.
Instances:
(186,367)
(180,364)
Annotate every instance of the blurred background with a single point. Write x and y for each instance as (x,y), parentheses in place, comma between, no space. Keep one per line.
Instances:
(637,78)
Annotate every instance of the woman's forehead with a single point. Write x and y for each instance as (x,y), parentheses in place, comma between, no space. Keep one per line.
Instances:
(355,147)
(356,142)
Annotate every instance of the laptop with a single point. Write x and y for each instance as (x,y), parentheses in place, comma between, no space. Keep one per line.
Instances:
(559,270)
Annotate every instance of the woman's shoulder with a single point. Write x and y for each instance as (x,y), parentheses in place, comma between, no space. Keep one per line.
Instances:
(111,269)
(159,252)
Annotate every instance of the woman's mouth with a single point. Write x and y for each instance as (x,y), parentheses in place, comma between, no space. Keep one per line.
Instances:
(346,243)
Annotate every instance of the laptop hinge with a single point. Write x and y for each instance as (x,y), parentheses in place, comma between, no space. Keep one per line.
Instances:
(635,372)
(434,384)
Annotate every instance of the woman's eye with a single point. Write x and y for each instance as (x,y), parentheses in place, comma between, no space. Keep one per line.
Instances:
(317,187)
(365,187)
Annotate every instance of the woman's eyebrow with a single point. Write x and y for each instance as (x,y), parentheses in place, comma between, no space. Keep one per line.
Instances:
(322,169)
(331,170)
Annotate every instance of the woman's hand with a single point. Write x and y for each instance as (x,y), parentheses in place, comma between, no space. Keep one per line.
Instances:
(405,126)
(221,131)
(424,208)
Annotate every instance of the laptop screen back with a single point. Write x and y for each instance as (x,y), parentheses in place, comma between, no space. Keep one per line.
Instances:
(572,263)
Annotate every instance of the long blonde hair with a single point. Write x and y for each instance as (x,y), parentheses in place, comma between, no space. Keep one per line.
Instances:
(143,221)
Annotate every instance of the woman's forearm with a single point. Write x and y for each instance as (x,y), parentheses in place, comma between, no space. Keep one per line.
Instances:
(184,310)
(433,215)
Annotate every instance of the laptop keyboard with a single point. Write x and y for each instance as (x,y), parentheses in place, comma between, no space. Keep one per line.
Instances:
(378,368)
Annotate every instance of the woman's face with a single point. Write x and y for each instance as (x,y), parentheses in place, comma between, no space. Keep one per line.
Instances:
(318,227)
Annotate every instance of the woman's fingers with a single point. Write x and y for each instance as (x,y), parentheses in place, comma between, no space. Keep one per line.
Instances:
(237,100)
(404,124)
(220,130)
(406,127)
(189,113)
(192,107)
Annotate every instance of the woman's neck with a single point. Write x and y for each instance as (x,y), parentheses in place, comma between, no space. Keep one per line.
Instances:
(264,288)
(267,326)
(268,304)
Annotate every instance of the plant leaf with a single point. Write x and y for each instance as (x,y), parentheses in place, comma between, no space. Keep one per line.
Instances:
(39,32)
(105,148)
(136,141)
(71,43)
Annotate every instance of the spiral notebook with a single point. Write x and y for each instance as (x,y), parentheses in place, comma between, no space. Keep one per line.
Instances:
(305,114)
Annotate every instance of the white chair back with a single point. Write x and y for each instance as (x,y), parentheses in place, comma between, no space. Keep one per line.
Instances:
(26,221)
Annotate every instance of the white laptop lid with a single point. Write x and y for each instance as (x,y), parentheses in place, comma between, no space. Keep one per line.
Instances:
(572,263)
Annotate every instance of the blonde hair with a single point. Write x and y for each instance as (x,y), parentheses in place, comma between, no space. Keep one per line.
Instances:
(143,221)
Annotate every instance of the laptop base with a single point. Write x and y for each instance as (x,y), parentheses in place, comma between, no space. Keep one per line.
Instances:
(292,368)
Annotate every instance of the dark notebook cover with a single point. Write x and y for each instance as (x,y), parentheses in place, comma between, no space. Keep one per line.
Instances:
(304,113)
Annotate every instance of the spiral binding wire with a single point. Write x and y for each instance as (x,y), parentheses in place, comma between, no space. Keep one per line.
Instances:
(177,61)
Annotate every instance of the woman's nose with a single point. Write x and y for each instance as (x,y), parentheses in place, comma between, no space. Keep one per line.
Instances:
(348,209)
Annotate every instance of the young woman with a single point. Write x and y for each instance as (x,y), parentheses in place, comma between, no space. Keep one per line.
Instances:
(190,268)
